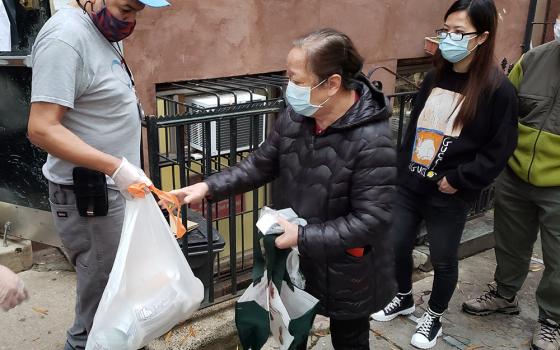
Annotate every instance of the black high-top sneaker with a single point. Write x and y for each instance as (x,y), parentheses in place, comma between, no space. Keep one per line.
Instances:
(402,304)
(427,331)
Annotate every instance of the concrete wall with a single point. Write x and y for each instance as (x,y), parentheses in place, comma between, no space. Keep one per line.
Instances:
(196,39)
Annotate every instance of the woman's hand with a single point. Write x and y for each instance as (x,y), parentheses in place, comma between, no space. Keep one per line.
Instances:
(190,194)
(445,187)
(290,236)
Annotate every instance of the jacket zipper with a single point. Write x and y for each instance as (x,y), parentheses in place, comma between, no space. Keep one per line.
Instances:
(539,134)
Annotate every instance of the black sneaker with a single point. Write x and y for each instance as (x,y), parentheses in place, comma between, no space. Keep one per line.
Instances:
(402,304)
(427,330)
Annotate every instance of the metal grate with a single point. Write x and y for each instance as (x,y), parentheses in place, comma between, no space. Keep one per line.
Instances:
(223,97)
(204,127)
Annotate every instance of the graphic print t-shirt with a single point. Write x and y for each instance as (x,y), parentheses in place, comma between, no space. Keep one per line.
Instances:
(469,156)
(435,131)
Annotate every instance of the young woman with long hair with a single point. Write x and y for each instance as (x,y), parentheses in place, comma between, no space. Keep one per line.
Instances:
(461,133)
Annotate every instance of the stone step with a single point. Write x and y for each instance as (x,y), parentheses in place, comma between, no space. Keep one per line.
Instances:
(17,255)
(478,237)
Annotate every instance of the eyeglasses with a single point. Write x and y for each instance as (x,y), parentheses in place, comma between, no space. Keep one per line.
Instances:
(443,33)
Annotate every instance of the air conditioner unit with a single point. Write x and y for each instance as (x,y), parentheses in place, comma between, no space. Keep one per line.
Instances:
(220,131)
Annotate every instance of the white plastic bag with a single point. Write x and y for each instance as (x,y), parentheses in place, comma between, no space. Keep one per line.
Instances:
(292,266)
(268,222)
(268,225)
(151,287)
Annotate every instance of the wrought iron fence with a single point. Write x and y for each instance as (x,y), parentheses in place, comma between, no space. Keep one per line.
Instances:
(207,126)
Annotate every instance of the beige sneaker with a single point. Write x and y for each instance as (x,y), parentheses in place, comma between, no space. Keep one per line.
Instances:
(491,302)
(546,336)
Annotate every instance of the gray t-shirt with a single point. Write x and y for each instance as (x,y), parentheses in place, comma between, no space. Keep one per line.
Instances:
(76,67)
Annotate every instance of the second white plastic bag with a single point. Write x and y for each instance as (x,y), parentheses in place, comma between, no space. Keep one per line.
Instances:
(151,287)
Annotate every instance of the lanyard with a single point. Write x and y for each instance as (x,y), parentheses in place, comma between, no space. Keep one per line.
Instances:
(123,61)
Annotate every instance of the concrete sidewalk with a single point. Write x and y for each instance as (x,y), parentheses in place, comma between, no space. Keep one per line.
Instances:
(41,323)
(462,331)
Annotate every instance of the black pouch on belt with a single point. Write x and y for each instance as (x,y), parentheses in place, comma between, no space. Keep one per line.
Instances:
(90,189)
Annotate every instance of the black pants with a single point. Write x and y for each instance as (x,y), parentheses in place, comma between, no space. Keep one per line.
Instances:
(445,217)
(349,334)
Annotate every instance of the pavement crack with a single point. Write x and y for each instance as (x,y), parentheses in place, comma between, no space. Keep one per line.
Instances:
(378,334)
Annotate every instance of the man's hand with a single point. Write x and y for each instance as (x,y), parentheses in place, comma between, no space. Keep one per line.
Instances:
(445,187)
(12,290)
(191,194)
(126,175)
(290,236)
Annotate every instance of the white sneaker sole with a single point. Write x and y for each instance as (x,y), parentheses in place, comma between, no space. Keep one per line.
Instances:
(381,317)
(423,345)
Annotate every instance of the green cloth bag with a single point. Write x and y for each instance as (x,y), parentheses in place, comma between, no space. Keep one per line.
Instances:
(251,310)
(272,305)
(252,316)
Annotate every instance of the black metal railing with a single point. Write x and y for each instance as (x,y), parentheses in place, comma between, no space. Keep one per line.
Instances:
(401,103)
(208,126)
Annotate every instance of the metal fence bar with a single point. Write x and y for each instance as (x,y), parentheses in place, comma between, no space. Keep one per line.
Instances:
(529,26)
(268,107)
(254,144)
(232,209)
(180,144)
(401,123)
(207,171)
(153,150)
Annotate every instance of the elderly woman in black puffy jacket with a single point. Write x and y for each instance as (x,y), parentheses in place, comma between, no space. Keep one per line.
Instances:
(332,160)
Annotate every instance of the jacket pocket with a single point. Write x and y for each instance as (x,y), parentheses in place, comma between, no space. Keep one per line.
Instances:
(532,105)
(350,278)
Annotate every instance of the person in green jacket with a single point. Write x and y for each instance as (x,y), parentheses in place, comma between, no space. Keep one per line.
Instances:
(528,197)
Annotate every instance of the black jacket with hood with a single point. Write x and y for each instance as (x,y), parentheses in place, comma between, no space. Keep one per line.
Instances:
(342,182)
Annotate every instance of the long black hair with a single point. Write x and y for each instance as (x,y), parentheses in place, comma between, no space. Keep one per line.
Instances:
(484,74)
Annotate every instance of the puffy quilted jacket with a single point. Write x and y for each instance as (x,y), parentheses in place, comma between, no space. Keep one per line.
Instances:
(342,182)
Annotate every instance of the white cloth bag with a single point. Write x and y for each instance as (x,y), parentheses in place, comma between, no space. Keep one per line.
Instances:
(151,287)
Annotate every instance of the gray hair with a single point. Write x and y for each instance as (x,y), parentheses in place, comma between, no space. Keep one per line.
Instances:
(331,52)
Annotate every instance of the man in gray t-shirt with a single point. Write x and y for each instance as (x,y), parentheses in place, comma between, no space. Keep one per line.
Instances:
(85,113)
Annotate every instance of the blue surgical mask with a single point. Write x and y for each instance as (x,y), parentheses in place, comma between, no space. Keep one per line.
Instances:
(299,97)
(455,51)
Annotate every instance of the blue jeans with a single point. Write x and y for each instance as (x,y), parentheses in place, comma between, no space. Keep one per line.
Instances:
(445,216)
